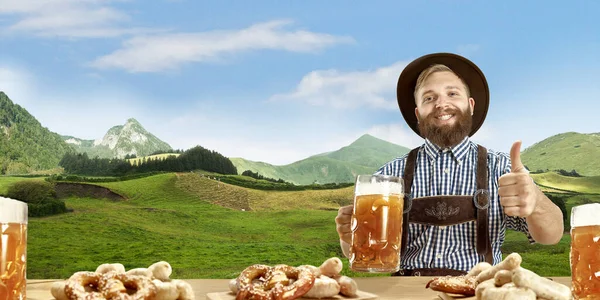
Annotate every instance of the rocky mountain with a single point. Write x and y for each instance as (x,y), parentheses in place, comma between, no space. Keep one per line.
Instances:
(364,156)
(567,151)
(119,141)
(25,145)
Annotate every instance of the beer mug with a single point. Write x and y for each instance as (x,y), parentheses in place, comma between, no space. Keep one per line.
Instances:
(585,250)
(377,224)
(13,249)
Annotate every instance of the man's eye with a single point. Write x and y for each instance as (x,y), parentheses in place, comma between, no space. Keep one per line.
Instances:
(453,94)
(428,98)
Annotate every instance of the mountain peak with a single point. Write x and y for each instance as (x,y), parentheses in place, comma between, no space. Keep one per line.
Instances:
(132,121)
(131,138)
(368,141)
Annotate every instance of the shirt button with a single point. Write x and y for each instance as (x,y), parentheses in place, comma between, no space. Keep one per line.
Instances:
(446,170)
(438,256)
(442,227)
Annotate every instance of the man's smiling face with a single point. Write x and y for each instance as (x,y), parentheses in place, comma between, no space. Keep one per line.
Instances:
(444,109)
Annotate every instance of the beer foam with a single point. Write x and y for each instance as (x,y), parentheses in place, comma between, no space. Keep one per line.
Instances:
(12,211)
(585,215)
(378,188)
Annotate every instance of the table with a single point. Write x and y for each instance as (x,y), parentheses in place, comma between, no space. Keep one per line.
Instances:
(384,287)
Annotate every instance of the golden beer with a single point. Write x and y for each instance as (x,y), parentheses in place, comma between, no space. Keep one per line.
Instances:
(377,225)
(13,249)
(585,262)
(585,251)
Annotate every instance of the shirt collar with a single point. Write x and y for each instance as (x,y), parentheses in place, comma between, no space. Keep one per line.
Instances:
(458,151)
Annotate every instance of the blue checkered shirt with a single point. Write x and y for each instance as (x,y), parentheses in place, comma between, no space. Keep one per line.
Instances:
(452,171)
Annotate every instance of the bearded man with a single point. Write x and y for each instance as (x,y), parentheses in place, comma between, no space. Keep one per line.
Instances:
(462,196)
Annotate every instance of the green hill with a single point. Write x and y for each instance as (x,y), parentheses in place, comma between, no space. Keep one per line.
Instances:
(587,185)
(192,222)
(567,151)
(199,226)
(26,146)
(363,156)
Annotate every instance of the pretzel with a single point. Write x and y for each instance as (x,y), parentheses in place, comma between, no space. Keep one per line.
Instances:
(462,285)
(117,286)
(84,285)
(277,282)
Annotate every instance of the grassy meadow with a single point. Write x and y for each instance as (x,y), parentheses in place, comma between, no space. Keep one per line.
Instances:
(208,229)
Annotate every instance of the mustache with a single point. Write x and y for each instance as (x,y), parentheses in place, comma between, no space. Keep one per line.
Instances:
(447,111)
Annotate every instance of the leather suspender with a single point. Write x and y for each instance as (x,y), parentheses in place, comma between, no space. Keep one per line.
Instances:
(477,210)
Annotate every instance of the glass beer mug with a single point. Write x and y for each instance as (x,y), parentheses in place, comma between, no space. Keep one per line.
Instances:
(377,223)
(13,249)
(585,251)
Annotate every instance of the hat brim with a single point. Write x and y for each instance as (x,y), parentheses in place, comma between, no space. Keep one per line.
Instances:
(465,68)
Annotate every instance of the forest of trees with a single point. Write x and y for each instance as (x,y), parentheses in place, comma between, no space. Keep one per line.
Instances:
(197,158)
(255,175)
(24,144)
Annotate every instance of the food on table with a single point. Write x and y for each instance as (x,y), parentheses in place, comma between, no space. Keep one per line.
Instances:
(287,282)
(462,285)
(112,281)
(506,280)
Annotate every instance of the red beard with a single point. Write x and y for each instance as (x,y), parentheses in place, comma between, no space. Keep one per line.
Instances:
(446,136)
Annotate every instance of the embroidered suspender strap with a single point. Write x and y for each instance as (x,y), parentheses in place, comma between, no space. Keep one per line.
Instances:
(409,171)
(481,201)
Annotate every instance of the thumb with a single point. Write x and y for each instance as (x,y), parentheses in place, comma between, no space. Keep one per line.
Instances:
(515,158)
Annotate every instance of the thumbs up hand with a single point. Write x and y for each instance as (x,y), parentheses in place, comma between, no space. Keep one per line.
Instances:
(516,189)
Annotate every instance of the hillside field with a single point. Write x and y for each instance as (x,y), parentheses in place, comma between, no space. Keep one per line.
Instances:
(209,229)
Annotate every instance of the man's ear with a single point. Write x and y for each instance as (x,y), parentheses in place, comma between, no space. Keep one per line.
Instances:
(472,105)
(417,114)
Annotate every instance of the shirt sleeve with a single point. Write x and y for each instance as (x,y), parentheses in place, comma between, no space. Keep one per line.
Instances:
(516,223)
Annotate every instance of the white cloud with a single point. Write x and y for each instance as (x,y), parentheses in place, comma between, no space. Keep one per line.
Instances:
(371,88)
(396,133)
(67,18)
(154,53)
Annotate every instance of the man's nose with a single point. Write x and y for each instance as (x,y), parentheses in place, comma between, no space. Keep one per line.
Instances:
(441,102)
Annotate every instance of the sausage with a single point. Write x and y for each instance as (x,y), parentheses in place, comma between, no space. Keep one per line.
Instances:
(315,270)
(511,262)
(105,268)
(478,268)
(140,271)
(348,287)
(166,290)
(58,290)
(503,277)
(508,293)
(324,287)
(331,267)
(161,270)
(482,287)
(543,287)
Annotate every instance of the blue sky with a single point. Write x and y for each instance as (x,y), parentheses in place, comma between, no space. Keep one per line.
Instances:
(278,81)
